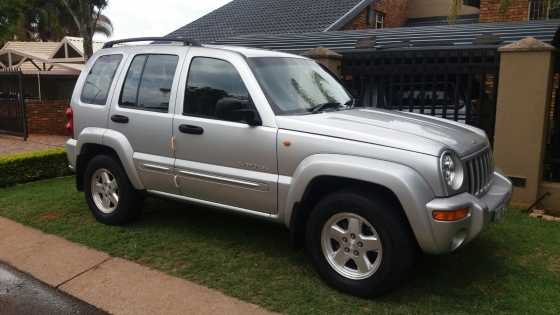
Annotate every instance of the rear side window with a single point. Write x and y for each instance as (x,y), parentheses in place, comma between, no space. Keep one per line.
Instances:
(98,82)
(214,90)
(147,85)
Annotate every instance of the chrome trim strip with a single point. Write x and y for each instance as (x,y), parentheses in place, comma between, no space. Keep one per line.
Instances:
(156,167)
(221,179)
(268,216)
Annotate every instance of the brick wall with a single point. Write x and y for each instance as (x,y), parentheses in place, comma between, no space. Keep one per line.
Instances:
(46,117)
(395,14)
(490,11)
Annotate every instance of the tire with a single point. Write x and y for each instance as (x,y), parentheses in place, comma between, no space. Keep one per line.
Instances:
(389,259)
(117,211)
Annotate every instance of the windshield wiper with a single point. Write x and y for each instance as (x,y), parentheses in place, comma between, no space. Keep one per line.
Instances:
(321,107)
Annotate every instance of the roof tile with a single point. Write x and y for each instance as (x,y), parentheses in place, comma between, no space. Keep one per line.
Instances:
(242,17)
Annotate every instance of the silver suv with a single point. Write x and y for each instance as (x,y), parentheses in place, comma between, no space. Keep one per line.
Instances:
(276,136)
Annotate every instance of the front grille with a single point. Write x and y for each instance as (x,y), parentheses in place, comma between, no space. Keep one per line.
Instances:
(479,171)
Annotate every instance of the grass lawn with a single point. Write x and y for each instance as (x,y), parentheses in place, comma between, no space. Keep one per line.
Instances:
(514,267)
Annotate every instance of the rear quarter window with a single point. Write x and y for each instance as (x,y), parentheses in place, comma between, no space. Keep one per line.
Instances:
(99,79)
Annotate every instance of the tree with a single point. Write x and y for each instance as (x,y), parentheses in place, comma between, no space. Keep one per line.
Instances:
(88,19)
(48,20)
(10,11)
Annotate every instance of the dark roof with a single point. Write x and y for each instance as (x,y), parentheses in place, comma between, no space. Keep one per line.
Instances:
(422,37)
(241,17)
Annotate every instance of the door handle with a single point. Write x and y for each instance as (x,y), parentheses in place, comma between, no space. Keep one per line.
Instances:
(120,119)
(190,129)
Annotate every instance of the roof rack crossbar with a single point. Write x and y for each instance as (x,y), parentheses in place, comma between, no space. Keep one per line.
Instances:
(185,41)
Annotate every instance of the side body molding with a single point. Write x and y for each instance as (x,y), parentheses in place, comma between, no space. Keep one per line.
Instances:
(410,187)
(118,142)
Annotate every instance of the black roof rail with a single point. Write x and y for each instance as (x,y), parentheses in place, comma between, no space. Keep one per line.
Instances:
(185,41)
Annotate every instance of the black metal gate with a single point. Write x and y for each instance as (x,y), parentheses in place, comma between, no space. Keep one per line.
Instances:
(457,84)
(12,104)
(552,151)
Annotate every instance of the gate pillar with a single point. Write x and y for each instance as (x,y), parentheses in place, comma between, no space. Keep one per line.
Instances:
(524,93)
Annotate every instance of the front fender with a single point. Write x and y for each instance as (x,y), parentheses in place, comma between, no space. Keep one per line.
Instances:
(410,187)
(116,141)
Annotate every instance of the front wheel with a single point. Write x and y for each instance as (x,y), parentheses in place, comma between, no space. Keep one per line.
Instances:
(359,244)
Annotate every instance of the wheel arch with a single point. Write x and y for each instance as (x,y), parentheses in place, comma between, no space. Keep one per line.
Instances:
(107,142)
(322,174)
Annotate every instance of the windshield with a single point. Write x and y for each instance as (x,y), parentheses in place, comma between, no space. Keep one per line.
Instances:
(298,86)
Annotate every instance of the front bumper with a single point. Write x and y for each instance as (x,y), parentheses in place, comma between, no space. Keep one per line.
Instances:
(449,236)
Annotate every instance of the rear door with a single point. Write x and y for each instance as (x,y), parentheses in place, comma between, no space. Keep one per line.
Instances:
(218,158)
(142,111)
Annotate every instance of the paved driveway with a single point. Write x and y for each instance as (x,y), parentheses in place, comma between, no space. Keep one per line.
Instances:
(10,144)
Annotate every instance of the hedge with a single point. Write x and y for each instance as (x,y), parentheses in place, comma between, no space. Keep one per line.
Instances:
(31,166)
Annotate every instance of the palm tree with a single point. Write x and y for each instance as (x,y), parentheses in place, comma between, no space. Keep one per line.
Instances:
(88,19)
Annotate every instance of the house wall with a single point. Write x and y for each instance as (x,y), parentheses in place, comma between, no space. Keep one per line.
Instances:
(432,8)
(395,14)
(46,117)
(490,11)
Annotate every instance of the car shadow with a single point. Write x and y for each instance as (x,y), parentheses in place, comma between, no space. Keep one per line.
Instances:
(446,276)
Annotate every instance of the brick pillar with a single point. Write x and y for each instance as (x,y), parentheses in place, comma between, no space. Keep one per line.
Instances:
(327,58)
(524,92)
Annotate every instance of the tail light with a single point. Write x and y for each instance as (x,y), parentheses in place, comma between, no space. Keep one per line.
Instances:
(70,122)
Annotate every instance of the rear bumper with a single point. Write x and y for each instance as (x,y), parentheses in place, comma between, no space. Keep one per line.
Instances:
(449,236)
(70,147)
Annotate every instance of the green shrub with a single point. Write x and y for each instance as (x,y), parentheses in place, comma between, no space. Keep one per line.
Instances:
(31,166)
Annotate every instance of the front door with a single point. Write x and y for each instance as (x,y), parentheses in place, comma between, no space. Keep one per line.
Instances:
(218,159)
(143,112)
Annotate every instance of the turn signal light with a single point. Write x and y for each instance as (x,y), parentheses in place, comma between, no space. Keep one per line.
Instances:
(450,215)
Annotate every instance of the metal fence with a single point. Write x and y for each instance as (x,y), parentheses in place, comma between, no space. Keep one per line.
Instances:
(12,104)
(455,84)
(552,150)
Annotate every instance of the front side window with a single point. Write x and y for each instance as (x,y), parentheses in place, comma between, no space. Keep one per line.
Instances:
(298,86)
(148,82)
(215,90)
(98,81)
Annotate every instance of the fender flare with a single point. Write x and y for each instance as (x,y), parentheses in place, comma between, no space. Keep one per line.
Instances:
(116,141)
(411,189)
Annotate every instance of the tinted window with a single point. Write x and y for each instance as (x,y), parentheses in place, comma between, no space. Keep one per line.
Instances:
(98,82)
(130,88)
(148,82)
(214,90)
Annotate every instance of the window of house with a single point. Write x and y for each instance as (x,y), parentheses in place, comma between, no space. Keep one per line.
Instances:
(98,81)
(147,85)
(376,19)
(214,90)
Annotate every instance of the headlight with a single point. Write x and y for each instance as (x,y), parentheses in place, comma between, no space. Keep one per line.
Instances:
(452,170)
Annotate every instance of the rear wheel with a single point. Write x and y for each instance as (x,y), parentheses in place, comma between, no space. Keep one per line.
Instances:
(109,194)
(358,244)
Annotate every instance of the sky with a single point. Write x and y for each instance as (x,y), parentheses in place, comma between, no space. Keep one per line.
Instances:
(140,18)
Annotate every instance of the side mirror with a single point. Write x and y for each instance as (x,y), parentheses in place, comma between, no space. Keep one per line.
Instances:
(247,115)
(233,109)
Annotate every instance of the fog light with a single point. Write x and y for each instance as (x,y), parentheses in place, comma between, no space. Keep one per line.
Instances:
(450,215)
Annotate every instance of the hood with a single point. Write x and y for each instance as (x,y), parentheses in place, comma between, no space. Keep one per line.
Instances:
(407,131)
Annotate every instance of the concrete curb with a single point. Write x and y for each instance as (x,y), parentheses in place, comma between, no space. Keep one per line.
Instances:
(115,285)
